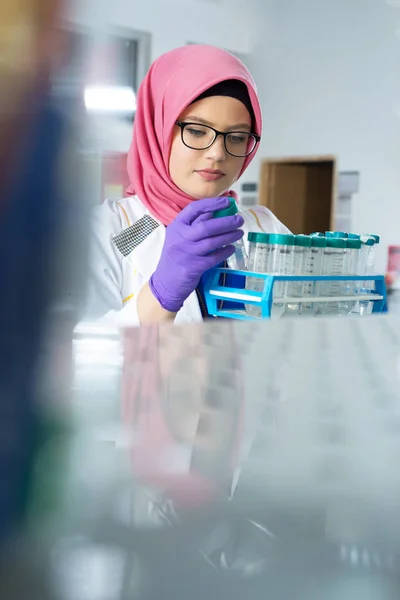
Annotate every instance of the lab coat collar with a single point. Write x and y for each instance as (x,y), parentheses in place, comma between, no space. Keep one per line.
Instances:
(146,255)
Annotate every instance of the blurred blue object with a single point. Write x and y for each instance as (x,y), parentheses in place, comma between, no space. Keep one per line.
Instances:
(32,216)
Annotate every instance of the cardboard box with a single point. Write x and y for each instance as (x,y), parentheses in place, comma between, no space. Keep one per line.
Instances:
(300,191)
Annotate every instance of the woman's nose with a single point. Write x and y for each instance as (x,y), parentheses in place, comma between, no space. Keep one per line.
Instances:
(217,151)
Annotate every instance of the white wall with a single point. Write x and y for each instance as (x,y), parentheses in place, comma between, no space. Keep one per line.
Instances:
(173,23)
(329,77)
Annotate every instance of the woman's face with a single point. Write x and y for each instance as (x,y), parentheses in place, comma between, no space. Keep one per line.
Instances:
(190,169)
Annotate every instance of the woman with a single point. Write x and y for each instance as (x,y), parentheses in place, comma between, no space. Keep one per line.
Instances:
(197,128)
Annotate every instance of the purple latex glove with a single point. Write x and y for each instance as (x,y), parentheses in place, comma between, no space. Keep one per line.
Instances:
(194,243)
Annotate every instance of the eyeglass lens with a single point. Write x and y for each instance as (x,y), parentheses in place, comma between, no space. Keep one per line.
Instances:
(200,137)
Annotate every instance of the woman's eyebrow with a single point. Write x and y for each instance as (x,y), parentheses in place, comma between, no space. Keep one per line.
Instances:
(196,119)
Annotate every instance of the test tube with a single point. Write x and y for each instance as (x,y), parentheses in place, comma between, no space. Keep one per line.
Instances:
(302,245)
(258,262)
(281,263)
(314,267)
(353,252)
(238,260)
(334,257)
(360,269)
(350,268)
(370,242)
(259,251)
(366,267)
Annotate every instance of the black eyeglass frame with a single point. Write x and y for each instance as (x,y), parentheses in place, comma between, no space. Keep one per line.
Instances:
(183,124)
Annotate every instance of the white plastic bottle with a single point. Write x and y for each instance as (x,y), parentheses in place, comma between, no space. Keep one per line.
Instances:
(238,260)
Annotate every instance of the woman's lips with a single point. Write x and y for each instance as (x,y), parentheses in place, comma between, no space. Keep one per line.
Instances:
(210,174)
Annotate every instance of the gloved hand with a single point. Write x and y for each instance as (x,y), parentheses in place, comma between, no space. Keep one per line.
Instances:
(194,243)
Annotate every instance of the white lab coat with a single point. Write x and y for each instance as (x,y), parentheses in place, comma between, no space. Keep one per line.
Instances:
(115,280)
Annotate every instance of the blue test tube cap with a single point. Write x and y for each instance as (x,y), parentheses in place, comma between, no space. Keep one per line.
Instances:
(302,240)
(376,238)
(229,211)
(282,239)
(367,240)
(335,242)
(353,244)
(318,242)
(258,237)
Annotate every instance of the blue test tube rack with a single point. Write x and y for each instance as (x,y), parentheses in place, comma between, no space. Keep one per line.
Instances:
(216,291)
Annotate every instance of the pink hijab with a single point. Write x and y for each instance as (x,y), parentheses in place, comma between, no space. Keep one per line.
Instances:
(173,82)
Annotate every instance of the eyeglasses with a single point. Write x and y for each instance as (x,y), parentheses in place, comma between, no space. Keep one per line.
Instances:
(201,137)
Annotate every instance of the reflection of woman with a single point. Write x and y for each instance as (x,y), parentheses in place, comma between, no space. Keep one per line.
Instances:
(187,420)
(197,128)
(188,431)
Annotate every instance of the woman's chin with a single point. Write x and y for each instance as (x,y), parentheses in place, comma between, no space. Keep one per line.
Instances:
(207,190)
